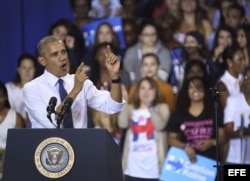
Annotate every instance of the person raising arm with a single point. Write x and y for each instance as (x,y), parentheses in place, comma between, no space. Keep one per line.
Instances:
(37,93)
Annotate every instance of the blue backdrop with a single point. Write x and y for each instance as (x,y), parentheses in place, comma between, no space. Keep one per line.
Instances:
(23,24)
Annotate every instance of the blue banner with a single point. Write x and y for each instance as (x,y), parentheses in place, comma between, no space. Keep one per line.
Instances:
(177,167)
(89,30)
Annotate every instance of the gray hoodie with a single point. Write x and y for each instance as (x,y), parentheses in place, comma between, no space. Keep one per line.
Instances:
(132,58)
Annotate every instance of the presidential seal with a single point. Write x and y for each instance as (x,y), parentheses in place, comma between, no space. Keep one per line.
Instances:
(54,157)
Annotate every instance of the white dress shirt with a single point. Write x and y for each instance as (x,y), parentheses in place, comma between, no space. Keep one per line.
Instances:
(38,92)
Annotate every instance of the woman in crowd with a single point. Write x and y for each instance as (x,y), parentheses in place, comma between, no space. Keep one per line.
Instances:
(104,34)
(194,49)
(173,7)
(145,142)
(101,80)
(148,42)
(9,118)
(26,71)
(192,18)
(237,123)
(81,10)
(192,126)
(224,37)
(229,82)
(100,76)
(150,65)
(243,39)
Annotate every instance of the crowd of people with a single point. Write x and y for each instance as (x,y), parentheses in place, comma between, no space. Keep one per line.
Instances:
(157,91)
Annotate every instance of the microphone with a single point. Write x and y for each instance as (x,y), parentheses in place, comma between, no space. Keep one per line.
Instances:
(65,109)
(51,107)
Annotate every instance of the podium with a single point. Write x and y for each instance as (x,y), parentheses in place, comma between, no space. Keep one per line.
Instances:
(92,155)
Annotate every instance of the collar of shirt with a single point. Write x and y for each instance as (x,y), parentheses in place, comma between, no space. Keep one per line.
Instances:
(52,79)
(235,81)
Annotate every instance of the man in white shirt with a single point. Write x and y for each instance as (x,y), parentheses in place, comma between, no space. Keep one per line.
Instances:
(37,93)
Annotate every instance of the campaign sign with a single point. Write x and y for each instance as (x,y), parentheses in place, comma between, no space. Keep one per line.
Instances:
(89,30)
(178,167)
(177,70)
(176,55)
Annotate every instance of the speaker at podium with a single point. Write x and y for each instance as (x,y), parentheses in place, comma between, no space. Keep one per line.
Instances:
(62,154)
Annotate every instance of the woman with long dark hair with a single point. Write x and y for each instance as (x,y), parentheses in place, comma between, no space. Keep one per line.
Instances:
(192,126)
(243,39)
(9,118)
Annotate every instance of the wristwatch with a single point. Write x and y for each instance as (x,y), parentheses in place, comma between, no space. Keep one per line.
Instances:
(116,81)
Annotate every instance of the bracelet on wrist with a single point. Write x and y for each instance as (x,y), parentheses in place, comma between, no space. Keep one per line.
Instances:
(116,81)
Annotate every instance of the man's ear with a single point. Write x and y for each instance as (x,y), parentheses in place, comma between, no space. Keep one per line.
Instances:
(42,61)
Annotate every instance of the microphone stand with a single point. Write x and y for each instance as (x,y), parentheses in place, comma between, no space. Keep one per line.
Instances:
(215,94)
(59,120)
(49,117)
(64,111)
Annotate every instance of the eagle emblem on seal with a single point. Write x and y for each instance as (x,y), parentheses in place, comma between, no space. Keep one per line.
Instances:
(54,156)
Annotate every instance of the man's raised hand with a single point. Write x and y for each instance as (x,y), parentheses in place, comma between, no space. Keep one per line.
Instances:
(112,63)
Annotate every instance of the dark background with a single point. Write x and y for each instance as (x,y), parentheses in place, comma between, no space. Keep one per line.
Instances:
(22,24)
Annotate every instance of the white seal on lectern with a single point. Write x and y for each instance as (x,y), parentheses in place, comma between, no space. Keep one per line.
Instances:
(54,157)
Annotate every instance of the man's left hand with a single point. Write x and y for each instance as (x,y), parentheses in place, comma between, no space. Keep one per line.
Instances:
(112,64)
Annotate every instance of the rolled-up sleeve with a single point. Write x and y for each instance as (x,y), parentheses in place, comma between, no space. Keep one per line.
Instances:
(101,100)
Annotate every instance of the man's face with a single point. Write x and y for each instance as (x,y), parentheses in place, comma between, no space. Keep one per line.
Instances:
(55,59)
(81,8)
(233,18)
